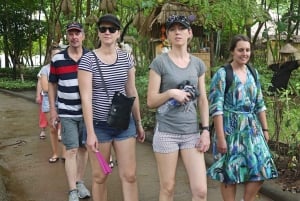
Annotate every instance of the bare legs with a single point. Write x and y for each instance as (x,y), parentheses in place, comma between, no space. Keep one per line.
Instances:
(54,133)
(250,191)
(54,142)
(166,164)
(43,123)
(75,164)
(228,192)
(195,166)
(126,157)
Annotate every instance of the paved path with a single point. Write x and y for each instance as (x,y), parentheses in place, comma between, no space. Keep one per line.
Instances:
(29,177)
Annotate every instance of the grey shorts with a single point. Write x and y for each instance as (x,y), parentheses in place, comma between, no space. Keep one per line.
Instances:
(72,131)
(171,142)
(105,133)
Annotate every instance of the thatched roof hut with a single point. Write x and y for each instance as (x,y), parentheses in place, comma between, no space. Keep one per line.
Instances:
(151,25)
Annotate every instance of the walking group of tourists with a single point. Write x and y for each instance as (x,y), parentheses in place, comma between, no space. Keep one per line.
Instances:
(87,91)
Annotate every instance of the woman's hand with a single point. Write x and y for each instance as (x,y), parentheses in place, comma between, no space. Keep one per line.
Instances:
(181,96)
(222,146)
(92,142)
(141,133)
(38,99)
(204,141)
(266,134)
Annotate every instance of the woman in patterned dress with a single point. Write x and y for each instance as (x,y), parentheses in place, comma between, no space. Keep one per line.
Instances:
(241,132)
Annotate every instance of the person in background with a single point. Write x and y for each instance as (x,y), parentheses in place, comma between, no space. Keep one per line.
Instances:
(63,87)
(177,89)
(54,131)
(241,131)
(118,72)
(43,123)
(283,69)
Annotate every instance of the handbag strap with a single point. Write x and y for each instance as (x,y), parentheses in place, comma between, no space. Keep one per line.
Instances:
(101,75)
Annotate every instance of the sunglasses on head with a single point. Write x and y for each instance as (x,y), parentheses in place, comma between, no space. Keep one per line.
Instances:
(110,29)
(178,18)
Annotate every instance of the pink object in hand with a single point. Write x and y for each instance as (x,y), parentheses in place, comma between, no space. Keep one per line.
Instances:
(102,162)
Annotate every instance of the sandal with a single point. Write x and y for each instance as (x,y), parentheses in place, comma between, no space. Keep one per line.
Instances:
(53,159)
(111,164)
(42,135)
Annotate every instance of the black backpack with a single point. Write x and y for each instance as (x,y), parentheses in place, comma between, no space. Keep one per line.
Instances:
(229,75)
(229,80)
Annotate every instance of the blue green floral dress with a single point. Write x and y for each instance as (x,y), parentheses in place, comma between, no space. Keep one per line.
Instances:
(248,157)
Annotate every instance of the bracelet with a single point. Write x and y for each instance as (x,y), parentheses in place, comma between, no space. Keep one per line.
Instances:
(138,123)
(265,130)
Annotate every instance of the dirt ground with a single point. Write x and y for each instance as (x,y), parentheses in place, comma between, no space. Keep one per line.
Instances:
(289,175)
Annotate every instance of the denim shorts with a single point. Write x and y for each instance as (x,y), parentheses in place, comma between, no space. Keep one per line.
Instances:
(171,142)
(72,131)
(45,103)
(105,133)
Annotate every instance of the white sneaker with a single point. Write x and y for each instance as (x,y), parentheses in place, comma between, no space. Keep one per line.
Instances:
(83,192)
(73,195)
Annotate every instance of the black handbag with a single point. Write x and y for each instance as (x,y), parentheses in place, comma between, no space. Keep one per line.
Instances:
(120,109)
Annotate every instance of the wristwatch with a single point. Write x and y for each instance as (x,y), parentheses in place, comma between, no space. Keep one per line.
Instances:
(205,128)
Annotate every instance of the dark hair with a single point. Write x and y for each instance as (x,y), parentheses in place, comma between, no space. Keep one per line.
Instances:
(234,41)
(55,48)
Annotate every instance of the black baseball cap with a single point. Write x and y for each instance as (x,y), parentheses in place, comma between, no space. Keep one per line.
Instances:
(110,19)
(74,26)
(177,19)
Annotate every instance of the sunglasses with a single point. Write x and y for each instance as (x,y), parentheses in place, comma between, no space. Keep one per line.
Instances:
(110,29)
(177,18)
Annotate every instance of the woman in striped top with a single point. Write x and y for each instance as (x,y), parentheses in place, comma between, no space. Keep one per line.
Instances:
(118,74)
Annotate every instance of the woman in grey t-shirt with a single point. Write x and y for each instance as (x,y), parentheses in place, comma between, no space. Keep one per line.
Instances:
(177,89)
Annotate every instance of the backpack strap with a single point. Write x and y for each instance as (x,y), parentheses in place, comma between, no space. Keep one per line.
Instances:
(253,72)
(229,75)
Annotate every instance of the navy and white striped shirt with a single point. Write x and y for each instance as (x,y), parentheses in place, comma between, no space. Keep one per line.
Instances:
(63,71)
(115,78)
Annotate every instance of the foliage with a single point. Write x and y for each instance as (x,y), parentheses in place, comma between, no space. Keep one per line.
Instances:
(221,19)
(285,112)
(148,115)
(30,74)
(16,85)
(18,28)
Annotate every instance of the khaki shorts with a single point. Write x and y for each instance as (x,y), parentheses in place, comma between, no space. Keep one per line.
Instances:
(71,132)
